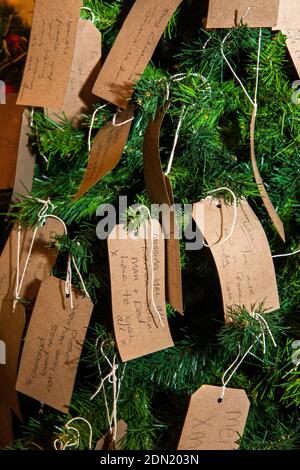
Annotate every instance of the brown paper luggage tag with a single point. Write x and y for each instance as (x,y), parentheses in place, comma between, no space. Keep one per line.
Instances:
(25,163)
(244,262)
(53,345)
(12,323)
(133,49)
(84,71)
(135,276)
(107,443)
(160,191)
(50,55)
(106,151)
(10,126)
(214,425)
(254,13)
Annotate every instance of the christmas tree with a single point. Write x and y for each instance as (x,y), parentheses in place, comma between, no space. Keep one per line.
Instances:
(199,76)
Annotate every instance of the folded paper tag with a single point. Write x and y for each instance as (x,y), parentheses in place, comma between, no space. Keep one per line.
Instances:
(138,292)
(53,345)
(10,127)
(50,55)
(160,191)
(12,322)
(244,262)
(288,15)
(6,426)
(107,442)
(106,151)
(133,49)
(25,163)
(214,425)
(254,13)
(84,71)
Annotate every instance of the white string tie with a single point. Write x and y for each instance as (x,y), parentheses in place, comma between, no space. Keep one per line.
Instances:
(115,124)
(74,441)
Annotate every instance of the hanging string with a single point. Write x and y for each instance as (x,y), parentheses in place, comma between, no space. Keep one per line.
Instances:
(220,242)
(20,278)
(236,363)
(115,124)
(151,262)
(175,140)
(111,377)
(60,445)
(287,254)
(91,12)
(92,125)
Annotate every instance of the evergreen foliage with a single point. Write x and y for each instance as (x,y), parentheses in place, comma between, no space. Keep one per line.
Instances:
(213,151)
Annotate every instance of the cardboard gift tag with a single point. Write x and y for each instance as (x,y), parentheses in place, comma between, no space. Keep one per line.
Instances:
(10,126)
(53,345)
(12,322)
(288,15)
(214,425)
(293,45)
(6,426)
(160,191)
(25,163)
(244,262)
(133,49)
(106,152)
(224,14)
(107,443)
(51,49)
(84,71)
(138,290)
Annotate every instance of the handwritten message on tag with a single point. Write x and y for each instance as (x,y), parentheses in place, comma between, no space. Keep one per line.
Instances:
(10,127)
(133,49)
(50,55)
(12,322)
(210,425)
(84,71)
(53,345)
(25,163)
(106,152)
(244,262)
(288,15)
(107,443)
(256,13)
(160,191)
(138,291)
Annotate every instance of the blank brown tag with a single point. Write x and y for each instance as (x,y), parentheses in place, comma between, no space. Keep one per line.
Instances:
(50,55)
(53,345)
(84,71)
(225,14)
(25,163)
(288,15)
(136,323)
(12,323)
(160,191)
(106,152)
(210,425)
(6,425)
(10,126)
(133,49)
(106,442)
(244,262)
